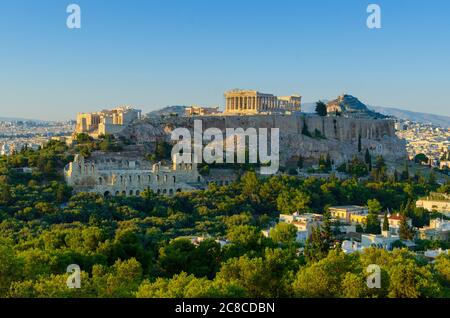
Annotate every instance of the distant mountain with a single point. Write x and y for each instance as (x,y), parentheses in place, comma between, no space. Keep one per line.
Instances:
(9,119)
(439,120)
(349,105)
(168,110)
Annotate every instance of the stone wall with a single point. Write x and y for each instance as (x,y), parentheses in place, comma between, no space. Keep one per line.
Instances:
(340,135)
(113,175)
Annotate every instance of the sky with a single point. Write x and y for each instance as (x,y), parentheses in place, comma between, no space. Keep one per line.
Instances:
(154,53)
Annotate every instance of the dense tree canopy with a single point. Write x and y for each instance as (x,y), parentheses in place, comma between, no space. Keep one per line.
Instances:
(141,247)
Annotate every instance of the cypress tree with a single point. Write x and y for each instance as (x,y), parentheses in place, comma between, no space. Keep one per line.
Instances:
(385,223)
(359,143)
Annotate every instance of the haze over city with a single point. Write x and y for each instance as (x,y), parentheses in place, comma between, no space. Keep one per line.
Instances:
(157,53)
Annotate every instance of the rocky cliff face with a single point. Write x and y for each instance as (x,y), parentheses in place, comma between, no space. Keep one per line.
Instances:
(336,136)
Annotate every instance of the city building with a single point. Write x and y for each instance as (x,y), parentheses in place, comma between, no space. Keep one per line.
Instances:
(427,139)
(353,214)
(349,247)
(444,164)
(303,222)
(433,254)
(439,202)
(383,240)
(394,223)
(438,229)
(253,102)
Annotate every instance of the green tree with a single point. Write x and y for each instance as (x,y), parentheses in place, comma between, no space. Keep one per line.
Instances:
(373,223)
(119,281)
(321,109)
(305,130)
(9,267)
(316,246)
(292,201)
(359,143)
(176,257)
(421,158)
(325,277)
(405,231)
(284,233)
(300,162)
(405,173)
(187,286)
(5,195)
(379,170)
(409,280)
(385,222)
(246,237)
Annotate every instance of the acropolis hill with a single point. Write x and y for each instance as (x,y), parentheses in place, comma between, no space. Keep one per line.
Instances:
(337,136)
(349,129)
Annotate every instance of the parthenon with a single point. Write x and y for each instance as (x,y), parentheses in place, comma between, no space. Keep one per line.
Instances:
(252,102)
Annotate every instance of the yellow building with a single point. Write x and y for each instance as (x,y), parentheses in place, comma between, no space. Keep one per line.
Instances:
(358,218)
(439,202)
(350,213)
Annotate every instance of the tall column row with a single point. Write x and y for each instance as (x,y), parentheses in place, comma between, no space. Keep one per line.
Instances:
(264,103)
(242,103)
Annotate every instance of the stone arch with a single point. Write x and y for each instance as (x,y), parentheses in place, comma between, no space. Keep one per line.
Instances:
(164,191)
(124,193)
(117,193)
(106,194)
(138,193)
(178,190)
(170,191)
(159,191)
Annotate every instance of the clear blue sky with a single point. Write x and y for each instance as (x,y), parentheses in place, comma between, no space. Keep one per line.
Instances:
(179,52)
